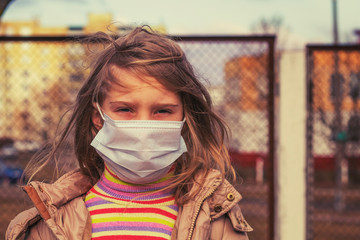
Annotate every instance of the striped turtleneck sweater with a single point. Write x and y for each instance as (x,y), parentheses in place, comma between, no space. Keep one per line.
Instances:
(121,210)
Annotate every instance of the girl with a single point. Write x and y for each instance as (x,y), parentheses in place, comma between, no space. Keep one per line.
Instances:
(151,154)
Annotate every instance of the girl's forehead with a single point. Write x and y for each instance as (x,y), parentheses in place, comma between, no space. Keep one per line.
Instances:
(125,80)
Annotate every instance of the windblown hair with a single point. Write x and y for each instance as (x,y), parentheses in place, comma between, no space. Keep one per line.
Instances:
(147,53)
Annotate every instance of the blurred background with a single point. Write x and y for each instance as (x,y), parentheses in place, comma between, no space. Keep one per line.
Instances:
(284,74)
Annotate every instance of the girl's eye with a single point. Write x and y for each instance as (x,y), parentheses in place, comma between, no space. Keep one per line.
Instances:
(164,111)
(123,110)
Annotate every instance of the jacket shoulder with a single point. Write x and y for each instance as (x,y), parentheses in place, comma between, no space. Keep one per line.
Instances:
(70,221)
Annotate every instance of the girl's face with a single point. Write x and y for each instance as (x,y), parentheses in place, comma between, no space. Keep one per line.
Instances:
(136,99)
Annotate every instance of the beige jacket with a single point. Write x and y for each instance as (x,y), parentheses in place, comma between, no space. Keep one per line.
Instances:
(60,212)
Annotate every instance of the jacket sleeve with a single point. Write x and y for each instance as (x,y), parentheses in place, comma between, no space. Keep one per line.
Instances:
(28,225)
(39,231)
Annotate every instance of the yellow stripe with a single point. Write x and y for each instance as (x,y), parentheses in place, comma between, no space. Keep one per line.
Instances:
(90,196)
(137,216)
(169,210)
(104,206)
(115,180)
(131,219)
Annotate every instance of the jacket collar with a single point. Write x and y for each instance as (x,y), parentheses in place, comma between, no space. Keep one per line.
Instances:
(66,188)
(219,193)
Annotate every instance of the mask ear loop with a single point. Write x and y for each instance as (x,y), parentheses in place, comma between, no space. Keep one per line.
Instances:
(101,114)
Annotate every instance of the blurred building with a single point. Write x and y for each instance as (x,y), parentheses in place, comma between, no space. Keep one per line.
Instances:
(37,79)
(327,93)
(249,90)
(245,107)
(323,78)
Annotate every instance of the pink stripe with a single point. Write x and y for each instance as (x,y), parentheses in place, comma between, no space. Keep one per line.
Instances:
(131,224)
(131,194)
(128,237)
(136,188)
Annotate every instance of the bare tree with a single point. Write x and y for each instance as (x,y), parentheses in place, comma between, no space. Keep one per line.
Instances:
(272,25)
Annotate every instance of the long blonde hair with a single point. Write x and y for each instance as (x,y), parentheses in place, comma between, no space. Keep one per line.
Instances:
(145,52)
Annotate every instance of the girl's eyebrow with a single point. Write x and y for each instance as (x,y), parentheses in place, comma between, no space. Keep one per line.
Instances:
(115,102)
(166,105)
(121,102)
(155,105)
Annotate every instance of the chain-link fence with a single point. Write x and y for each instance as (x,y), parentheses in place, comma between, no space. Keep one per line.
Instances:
(333,133)
(40,77)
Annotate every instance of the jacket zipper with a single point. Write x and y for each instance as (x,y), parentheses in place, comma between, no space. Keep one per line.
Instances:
(192,226)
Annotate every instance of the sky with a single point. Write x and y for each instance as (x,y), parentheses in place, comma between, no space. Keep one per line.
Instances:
(304,21)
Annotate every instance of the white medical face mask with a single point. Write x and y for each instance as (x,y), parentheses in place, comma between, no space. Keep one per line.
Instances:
(139,151)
